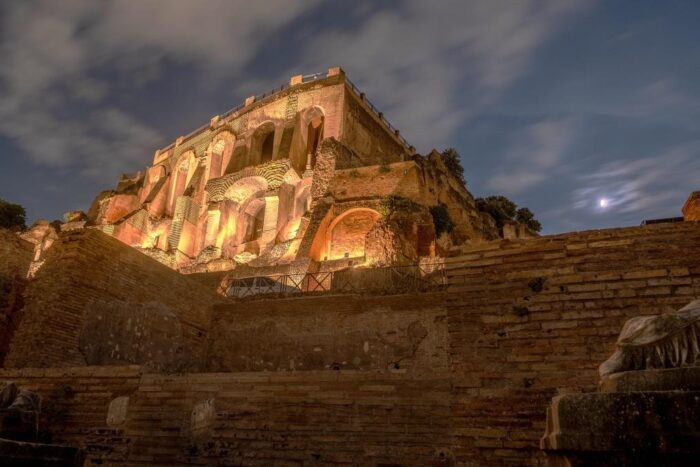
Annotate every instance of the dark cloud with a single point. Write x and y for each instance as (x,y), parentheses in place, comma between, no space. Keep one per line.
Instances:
(555,103)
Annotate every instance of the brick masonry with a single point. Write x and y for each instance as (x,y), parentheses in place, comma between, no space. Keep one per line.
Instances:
(531,319)
(525,320)
(87,266)
(15,258)
(395,332)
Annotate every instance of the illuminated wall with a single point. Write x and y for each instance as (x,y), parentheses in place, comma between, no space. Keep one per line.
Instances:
(346,237)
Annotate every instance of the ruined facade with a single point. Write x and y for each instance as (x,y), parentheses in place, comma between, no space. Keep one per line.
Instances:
(308,174)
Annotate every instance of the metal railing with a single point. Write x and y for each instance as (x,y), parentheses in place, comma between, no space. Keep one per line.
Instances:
(304,79)
(395,279)
(379,114)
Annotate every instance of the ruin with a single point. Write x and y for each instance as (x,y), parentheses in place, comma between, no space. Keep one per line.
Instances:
(307,177)
(276,289)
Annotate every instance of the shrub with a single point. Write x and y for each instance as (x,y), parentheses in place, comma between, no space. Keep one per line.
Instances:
(441,219)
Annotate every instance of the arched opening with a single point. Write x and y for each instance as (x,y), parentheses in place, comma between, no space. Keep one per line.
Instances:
(314,134)
(181,176)
(347,233)
(254,224)
(242,215)
(216,161)
(219,152)
(262,144)
(266,150)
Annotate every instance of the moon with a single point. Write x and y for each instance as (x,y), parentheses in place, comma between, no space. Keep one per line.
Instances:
(603,202)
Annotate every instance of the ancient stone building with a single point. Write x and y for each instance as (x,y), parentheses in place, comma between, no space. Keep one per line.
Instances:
(140,359)
(298,178)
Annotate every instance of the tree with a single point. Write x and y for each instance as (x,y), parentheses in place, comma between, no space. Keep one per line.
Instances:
(453,162)
(525,216)
(12,215)
(503,210)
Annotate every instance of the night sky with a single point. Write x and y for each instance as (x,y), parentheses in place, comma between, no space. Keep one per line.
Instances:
(587,112)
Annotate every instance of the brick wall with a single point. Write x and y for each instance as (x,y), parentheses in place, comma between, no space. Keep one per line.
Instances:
(532,318)
(86,266)
(254,419)
(525,320)
(15,258)
(15,254)
(74,403)
(331,332)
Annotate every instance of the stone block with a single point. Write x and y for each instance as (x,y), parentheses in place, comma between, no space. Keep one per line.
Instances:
(202,418)
(117,412)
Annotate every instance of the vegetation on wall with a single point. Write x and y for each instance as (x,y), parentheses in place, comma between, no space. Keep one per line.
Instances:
(452,160)
(12,216)
(504,210)
(441,219)
(392,204)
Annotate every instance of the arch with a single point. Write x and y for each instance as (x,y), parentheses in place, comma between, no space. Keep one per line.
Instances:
(220,150)
(346,234)
(262,144)
(253,220)
(181,174)
(242,214)
(246,188)
(312,123)
(153,175)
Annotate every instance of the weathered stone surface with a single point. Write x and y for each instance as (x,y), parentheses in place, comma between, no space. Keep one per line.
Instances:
(16,257)
(23,454)
(624,428)
(397,333)
(674,379)
(88,266)
(669,340)
(691,208)
(19,411)
(645,416)
(118,411)
(119,333)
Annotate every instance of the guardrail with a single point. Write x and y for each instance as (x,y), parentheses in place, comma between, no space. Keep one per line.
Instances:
(396,279)
(379,114)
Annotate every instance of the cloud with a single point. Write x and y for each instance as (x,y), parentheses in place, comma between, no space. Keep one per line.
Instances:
(62,113)
(534,155)
(642,186)
(431,66)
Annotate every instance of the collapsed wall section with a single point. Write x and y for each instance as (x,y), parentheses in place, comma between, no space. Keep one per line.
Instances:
(98,301)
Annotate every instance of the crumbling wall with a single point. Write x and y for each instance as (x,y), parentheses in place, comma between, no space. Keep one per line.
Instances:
(15,259)
(691,208)
(85,268)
